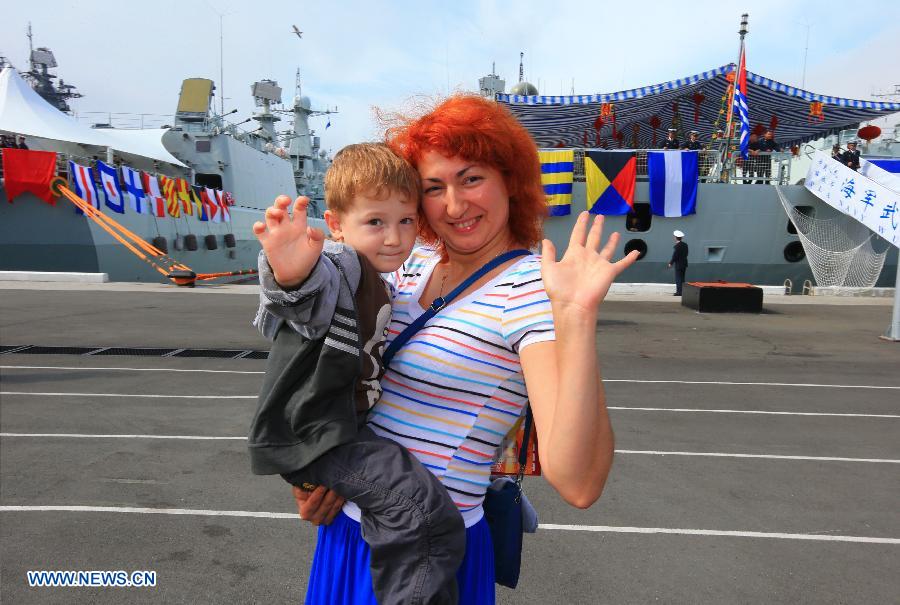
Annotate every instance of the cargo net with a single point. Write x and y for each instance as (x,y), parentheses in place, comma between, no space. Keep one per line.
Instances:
(842,252)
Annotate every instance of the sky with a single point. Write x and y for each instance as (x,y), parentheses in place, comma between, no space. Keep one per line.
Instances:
(130,58)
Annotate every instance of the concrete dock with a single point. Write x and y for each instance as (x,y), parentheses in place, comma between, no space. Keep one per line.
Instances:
(758,456)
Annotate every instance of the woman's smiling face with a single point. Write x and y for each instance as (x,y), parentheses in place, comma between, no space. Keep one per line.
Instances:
(465,203)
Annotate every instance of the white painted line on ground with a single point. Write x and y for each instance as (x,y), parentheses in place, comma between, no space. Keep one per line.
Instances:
(544,526)
(766,456)
(626,380)
(755,384)
(714,532)
(129,395)
(148,511)
(132,369)
(646,452)
(839,414)
(86,436)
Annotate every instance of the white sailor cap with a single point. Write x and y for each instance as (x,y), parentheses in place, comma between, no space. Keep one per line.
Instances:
(673,130)
(678,233)
(695,132)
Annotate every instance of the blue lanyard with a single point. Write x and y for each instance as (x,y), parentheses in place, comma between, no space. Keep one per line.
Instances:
(442,301)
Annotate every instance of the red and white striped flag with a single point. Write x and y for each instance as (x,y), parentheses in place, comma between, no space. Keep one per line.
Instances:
(83,179)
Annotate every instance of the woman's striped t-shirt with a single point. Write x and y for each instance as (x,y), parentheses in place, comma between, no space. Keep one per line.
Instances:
(454,391)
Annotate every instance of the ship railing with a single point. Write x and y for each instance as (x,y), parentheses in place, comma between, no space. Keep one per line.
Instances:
(888,133)
(765,168)
(124,120)
(708,160)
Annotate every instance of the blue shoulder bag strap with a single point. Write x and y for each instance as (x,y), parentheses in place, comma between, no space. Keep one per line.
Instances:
(442,301)
(523,447)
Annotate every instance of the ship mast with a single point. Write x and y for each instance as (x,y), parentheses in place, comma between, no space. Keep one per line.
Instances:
(730,121)
(40,60)
(307,158)
(30,45)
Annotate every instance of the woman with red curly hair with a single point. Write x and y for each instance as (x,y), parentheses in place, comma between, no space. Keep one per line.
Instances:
(524,332)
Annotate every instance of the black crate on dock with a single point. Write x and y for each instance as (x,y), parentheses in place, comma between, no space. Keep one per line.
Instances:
(722,297)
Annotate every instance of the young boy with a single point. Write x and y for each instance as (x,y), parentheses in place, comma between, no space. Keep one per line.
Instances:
(327,309)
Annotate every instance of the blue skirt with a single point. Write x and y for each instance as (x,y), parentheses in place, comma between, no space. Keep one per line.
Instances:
(340,568)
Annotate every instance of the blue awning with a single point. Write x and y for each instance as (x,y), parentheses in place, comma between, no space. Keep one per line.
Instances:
(570,121)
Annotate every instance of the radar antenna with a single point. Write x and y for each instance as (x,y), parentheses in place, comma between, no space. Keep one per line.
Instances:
(41,59)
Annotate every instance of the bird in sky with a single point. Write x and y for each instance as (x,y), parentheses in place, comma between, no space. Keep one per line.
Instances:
(297,31)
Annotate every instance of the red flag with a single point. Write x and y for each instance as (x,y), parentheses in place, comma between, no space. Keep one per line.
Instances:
(29,171)
(740,82)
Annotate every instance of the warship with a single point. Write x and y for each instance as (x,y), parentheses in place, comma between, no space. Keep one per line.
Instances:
(253,164)
(740,231)
(744,228)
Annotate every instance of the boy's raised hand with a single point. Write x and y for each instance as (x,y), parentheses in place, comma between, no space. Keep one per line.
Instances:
(292,248)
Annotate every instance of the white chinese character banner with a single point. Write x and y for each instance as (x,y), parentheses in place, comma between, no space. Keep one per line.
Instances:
(848,191)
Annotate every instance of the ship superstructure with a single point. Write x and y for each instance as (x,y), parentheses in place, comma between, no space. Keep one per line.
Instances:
(253,164)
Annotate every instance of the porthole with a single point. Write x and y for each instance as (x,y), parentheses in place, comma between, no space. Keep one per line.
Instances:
(805,211)
(794,253)
(639,218)
(636,244)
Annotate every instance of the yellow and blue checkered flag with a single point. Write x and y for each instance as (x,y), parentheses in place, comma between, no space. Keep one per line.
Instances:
(557,172)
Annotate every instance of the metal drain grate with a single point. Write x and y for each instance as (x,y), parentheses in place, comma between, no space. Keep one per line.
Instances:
(134,352)
(12,348)
(221,353)
(138,351)
(38,350)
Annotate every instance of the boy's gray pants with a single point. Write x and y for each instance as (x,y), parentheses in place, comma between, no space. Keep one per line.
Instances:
(414,530)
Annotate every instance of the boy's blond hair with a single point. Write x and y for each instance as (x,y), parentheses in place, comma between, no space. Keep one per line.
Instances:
(366,168)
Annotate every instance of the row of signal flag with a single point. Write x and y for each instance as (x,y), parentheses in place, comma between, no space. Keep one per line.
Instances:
(610,178)
(148,195)
(26,170)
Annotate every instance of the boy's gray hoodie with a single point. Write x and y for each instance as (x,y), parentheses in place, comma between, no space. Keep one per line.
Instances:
(306,405)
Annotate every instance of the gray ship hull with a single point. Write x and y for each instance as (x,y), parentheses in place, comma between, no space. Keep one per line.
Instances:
(738,234)
(35,236)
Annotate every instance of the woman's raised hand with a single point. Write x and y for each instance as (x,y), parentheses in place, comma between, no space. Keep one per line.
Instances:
(583,276)
(319,506)
(292,247)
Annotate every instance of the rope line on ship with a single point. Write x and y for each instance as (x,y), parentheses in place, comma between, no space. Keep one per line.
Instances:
(179,273)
